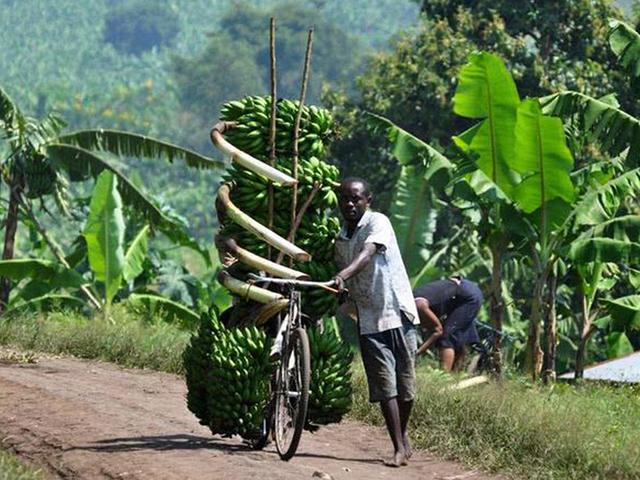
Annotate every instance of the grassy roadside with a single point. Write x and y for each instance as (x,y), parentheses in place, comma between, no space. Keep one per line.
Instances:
(12,469)
(516,428)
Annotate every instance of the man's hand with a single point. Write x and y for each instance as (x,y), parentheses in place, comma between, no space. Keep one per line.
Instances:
(339,283)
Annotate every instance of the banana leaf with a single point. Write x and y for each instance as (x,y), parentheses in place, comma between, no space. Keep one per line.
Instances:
(625,312)
(9,112)
(618,345)
(46,303)
(104,233)
(602,249)
(486,91)
(600,204)
(614,129)
(135,255)
(82,164)
(625,43)
(167,309)
(53,273)
(545,162)
(134,145)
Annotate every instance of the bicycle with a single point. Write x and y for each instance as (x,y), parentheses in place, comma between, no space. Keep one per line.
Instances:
(287,407)
(485,358)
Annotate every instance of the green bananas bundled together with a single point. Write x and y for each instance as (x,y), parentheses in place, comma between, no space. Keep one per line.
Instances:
(317,231)
(228,372)
(330,392)
(252,134)
(39,175)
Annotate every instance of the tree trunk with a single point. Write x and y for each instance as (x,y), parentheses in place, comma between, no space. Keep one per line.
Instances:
(533,359)
(551,334)
(11,228)
(496,302)
(584,337)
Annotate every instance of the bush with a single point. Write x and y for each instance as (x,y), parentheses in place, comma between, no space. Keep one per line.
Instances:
(140,26)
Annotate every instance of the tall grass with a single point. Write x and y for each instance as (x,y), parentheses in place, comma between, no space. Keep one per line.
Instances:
(12,469)
(561,432)
(132,341)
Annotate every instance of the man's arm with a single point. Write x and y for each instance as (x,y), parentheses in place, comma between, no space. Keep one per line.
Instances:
(430,321)
(358,263)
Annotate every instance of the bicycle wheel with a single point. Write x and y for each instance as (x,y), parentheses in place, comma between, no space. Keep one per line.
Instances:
(292,396)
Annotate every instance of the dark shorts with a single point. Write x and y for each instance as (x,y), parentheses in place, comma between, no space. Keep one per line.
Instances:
(459,326)
(389,362)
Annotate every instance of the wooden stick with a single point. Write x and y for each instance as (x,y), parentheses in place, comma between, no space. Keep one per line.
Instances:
(298,220)
(272,124)
(296,128)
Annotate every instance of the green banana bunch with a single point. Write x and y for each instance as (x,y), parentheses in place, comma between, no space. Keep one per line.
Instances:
(228,372)
(330,391)
(39,175)
(253,114)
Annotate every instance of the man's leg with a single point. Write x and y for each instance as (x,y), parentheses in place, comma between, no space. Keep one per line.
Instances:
(391,414)
(380,367)
(447,357)
(405,412)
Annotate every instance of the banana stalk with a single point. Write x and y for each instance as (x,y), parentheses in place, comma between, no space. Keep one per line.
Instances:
(259,263)
(259,230)
(246,160)
(246,290)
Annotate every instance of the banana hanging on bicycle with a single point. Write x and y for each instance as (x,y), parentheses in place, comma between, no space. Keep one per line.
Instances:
(216,367)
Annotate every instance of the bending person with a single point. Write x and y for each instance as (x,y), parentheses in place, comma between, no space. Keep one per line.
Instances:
(448,309)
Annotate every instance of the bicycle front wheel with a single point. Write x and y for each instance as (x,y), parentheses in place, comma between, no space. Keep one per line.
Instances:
(292,396)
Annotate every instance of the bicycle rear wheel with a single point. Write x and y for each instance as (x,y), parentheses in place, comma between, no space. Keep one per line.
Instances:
(292,397)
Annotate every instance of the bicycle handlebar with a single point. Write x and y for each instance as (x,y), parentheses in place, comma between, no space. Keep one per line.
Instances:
(298,283)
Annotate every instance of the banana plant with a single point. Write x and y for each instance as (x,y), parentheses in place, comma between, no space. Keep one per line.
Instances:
(112,265)
(40,158)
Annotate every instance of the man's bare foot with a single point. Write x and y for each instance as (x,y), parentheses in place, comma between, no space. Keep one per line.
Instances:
(407,447)
(398,459)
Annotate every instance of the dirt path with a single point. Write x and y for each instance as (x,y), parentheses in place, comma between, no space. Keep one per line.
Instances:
(92,420)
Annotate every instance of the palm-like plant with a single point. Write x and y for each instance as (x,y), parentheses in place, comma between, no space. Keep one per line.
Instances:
(39,155)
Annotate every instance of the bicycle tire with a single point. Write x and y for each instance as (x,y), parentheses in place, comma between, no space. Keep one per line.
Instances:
(298,346)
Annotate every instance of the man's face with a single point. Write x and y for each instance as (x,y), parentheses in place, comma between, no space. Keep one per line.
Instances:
(353,202)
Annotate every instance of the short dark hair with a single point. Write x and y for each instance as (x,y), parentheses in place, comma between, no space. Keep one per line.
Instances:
(366,189)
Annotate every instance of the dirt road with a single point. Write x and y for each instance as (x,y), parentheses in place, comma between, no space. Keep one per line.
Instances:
(91,420)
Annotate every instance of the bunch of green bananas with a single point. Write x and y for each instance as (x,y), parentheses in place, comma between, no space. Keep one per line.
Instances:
(330,392)
(253,115)
(39,175)
(318,229)
(228,372)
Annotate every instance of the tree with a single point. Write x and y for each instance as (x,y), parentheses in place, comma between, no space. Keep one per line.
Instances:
(140,26)
(39,154)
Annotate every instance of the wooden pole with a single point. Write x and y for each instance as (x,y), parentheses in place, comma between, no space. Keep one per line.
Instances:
(272,125)
(296,127)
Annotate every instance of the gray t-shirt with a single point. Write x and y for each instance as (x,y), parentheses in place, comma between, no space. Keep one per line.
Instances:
(381,291)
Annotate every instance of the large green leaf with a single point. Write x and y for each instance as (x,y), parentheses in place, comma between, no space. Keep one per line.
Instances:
(625,311)
(168,309)
(601,118)
(47,302)
(9,112)
(409,149)
(104,234)
(486,90)
(618,345)
(82,164)
(625,43)
(599,204)
(134,145)
(602,249)
(43,270)
(135,255)
(412,216)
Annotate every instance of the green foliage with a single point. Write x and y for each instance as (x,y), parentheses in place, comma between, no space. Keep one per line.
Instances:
(563,432)
(138,26)
(104,234)
(11,468)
